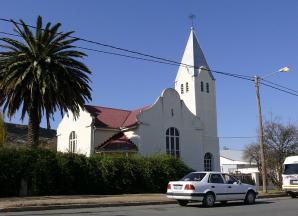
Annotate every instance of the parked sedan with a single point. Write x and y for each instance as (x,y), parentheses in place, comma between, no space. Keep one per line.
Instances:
(209,187)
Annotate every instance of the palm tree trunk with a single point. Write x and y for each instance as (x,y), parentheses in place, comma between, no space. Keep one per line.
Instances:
(33,128)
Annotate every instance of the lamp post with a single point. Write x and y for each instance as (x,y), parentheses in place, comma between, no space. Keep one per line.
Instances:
(261,132)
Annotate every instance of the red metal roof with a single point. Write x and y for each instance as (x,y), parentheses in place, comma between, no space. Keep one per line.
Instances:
(113,118)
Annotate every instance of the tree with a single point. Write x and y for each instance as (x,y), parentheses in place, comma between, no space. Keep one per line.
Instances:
(280,141)
(42,74)
(252,153)
(2,131)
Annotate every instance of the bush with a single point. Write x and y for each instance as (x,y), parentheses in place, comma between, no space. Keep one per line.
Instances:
(49,173)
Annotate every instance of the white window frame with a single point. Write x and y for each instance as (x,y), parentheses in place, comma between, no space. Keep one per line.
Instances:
(173,142)
(73,141)
(208,162)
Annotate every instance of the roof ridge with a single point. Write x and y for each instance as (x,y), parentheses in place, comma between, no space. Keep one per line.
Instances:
(140,110)
(108,107)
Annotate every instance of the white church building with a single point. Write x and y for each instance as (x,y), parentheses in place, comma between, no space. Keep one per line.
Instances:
(181,122)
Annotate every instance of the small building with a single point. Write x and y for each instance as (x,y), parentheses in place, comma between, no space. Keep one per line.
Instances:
(181,122)
(233,161)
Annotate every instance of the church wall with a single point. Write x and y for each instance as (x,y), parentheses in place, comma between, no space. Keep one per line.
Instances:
(133,135)
(187,96)
(203,105)
(82,128)
(211,145)
(156,120)
(206,103)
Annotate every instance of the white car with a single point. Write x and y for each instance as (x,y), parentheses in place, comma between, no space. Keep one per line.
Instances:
(209,187)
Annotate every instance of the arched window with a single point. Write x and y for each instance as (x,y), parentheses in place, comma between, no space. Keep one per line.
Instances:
(207,87)
(72,141)
(187,87)
(172,142)
(202,86)
(208,162)
(182,89)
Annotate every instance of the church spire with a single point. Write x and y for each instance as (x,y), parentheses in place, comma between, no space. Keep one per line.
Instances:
(193,56)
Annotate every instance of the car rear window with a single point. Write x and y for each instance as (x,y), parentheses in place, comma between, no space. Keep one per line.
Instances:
(193,177)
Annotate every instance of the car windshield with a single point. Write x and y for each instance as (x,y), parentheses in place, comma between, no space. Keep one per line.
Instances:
(193,177)
(291,169)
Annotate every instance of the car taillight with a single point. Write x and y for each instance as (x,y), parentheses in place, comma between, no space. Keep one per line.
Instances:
(169,187)
(189,187)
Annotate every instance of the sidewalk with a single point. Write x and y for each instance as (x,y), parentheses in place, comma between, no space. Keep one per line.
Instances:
(84,201)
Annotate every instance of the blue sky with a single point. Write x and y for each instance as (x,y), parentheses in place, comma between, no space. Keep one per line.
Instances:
(246,37)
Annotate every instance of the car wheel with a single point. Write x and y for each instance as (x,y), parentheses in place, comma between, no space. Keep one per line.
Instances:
(250,198)
(293,195)
(182,202)
(209,200)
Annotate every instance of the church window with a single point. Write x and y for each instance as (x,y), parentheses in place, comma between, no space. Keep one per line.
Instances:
(72,141)
(173,142)
(208,162)
(172,112)
(187,87)
(207,87)
(202,86)
(182,89)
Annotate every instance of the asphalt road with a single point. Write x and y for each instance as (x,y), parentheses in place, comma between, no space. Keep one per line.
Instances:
(267,207)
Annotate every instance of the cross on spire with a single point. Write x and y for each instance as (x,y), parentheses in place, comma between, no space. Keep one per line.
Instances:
(192,17)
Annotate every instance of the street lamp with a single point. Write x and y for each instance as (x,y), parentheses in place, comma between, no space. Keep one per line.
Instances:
(261,132)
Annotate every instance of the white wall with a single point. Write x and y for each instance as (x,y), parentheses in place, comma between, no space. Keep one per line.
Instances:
(156,120)
(203,105)
(82,127)
(227,165)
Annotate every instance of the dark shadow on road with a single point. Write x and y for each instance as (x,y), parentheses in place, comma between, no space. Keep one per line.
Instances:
(229,204)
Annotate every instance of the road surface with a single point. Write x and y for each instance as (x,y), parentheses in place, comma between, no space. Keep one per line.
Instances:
(265,207)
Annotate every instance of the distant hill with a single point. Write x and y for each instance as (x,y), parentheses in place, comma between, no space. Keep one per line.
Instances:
(17,135)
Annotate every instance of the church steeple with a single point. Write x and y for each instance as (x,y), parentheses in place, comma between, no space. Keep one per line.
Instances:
(193,56)
(196,85)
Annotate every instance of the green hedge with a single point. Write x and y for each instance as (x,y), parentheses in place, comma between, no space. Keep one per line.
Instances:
(49,173)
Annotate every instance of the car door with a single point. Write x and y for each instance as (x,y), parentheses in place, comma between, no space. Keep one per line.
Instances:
(216,184)
(233,188)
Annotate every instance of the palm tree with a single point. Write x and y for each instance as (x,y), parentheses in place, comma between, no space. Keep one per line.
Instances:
(2,131)
(41,75)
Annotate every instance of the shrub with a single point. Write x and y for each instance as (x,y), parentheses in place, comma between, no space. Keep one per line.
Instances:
(50,173)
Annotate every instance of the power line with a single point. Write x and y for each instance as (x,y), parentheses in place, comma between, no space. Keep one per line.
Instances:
(106,52)
(164,60)
(99,43)
(238,137)
(150,60)
(276,84)
(127,56)
(279,89)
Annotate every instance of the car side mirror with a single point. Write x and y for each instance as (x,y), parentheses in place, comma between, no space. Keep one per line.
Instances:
(239,182)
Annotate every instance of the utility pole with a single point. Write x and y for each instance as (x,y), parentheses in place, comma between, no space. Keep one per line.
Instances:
(261,135)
